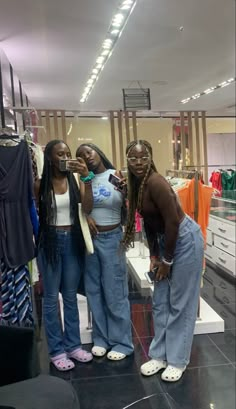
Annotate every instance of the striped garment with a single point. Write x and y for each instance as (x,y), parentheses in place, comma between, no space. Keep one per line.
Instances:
(16,295)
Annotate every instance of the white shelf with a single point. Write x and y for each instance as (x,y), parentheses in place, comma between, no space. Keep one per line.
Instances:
(208,323)
(85,333)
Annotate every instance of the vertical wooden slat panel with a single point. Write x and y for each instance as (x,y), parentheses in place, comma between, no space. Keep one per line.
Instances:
(183,139)
(48,127)
(134,121)
(205,158)
(55,119)
(121,145)
(196,121)
(113,139)
(127,127)
(63,126)
(190,138)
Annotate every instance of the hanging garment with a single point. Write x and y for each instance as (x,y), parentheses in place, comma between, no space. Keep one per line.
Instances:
(16,295)
(187,199)
(16,192)
(229,181)
(216,181)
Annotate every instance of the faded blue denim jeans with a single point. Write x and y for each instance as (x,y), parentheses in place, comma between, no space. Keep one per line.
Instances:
(63,276)
(175,302)
(107,292)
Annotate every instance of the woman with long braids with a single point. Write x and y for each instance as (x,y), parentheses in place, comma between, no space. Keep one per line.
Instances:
(105,273)
(61,250)
(176,249)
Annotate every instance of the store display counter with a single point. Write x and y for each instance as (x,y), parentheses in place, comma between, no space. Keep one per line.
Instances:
(138,263)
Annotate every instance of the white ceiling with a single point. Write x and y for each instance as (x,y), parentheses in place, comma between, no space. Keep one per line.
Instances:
(53,44)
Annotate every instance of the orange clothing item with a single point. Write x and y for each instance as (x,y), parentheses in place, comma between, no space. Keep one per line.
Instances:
(187,200)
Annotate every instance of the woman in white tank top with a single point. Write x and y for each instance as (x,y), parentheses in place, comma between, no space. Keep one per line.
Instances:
(61,251)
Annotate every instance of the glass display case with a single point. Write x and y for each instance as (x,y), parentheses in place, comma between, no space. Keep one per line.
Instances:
(224,207)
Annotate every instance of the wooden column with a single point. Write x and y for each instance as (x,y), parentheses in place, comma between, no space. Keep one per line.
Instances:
(113,138)
(196,121)
(134,121)
(119,119)
(55,121)
(127,127)
(48,127)
(204,138)
(190,138)
(183,139)
(63,126)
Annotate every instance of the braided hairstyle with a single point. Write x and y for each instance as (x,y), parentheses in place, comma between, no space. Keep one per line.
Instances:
(105,160)
(135,191)
(48,209)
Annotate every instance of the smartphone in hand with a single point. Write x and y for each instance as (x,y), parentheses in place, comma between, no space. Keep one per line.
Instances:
(150,275)
(63,164)
(115,181)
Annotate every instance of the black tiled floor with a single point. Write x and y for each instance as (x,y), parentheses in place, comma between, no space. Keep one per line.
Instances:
(208,383)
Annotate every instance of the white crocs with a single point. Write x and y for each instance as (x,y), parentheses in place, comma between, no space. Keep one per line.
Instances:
(172,374)
(98,351)
(152,367)
(115,356)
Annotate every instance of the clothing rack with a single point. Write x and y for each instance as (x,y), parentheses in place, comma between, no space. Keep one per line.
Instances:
(208,166)
(194,174)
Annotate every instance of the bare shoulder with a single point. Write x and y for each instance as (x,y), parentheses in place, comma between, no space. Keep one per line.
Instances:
(157,181)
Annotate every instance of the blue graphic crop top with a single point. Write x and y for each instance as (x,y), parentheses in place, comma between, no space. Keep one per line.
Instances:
(107,201)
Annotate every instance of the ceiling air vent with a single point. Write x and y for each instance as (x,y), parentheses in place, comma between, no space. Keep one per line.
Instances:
(135,99)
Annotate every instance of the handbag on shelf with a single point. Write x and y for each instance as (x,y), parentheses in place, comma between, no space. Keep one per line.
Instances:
(85,227)
(85,230)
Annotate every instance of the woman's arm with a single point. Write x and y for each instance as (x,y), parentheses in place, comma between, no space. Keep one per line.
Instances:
(86,194)
(165,199)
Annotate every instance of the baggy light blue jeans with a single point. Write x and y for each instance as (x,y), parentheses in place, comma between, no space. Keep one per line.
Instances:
(175,302)
(107,292)
(63,276)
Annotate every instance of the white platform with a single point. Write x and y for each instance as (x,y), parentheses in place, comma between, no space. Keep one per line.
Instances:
(138,262)
(85,333)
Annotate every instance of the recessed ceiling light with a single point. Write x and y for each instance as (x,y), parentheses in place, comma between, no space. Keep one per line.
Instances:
(100,60)
(114,32)
(119,20)
(105,118)
(209,90)
(105,52)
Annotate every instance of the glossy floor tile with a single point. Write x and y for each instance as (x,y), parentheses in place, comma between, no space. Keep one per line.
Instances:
(208,383)
(205,388)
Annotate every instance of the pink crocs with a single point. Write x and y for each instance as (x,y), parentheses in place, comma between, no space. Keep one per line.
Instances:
(62,363)
(80,355)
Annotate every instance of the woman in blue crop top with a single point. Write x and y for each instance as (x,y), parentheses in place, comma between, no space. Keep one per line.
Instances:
(105,274)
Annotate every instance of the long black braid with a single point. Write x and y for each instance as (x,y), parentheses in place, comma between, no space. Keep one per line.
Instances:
(48,210)
(135,191)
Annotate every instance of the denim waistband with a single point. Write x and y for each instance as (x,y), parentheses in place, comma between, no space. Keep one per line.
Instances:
(117,230)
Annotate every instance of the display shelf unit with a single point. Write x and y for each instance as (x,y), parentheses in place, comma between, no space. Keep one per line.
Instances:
(138,263)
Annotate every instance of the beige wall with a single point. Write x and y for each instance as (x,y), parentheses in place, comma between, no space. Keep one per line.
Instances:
(156,131)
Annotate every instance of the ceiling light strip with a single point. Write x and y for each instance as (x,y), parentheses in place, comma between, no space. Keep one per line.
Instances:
(209,90)
(114,32)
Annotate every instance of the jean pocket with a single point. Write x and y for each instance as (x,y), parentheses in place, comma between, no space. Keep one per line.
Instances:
(120,288)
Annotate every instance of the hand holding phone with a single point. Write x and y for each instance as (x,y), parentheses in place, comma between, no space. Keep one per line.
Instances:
(151,275)
(117,182)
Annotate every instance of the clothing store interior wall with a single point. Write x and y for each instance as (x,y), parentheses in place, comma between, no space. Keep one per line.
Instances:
(177,50)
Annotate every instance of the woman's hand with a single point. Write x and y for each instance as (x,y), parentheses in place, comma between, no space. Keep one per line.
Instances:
(92,226)
(78,166)
(163,270)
